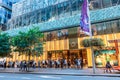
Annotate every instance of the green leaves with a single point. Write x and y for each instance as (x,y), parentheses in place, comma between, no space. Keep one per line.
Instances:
(25,42)
(92,42)
(5,45)
(38,49)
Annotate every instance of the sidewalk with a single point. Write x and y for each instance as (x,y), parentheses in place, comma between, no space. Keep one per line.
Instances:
(72,72)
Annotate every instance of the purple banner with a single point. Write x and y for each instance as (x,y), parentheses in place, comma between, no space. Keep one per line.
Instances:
(84,21)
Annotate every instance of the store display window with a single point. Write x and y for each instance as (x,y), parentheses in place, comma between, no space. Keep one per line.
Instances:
(102,56)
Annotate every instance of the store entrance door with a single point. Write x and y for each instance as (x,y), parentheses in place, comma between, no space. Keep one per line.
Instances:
(79,54)
(83,55)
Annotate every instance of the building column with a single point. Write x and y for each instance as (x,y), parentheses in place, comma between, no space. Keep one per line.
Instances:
(118,58)
(45,55)
(89,57)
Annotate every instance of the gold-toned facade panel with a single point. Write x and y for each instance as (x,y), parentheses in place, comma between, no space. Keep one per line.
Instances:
(117,37)
(57,45)
(108,39)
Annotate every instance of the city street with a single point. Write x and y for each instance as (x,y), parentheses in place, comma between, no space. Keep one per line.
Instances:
(7,76)
(59,39)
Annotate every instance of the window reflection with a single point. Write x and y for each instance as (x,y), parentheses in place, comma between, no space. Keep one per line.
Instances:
(108,27)
(118,25)
(80,32)
(115,26)
(56,35)
(97,29)
(62,34)
(94,30)
(95,4)
(64,9)
(115,2)
(60,10)
(107,3)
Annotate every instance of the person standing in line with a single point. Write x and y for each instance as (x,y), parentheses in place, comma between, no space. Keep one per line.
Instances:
(61,62)
(81,59)
(65,63)
(75,63)
(78,64)
(58,63)
(69,64)
(108,67)
(53,64)
(25,66)
(39,64)
(34,65)
(43,63)
(21,65)
(15,66)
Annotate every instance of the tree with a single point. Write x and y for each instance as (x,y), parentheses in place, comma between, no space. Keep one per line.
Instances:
(5,46)
(28,42)
(95,42)
(38,49)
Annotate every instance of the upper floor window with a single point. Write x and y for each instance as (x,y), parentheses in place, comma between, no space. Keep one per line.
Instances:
(95,4)
(107,3)
(115,2)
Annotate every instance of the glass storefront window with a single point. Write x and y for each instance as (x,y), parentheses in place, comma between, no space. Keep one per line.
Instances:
(118,26)
(80,33)
(62,34)
(114,25)
(99,28)
(49,36)
(108,28)
(45,37)
(94,30)
(56,35)
(102,56)
(72,32)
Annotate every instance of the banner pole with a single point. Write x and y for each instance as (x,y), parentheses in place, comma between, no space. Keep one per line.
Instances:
(92,50)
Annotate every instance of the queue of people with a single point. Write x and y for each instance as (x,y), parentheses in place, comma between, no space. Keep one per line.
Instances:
(3,63)
(58,63)
(61,63)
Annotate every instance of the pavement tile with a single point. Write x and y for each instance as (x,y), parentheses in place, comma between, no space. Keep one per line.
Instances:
(52,71)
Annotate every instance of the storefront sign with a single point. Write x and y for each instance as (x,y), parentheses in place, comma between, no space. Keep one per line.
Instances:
(73,43)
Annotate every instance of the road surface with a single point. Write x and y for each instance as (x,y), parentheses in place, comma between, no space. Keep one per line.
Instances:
(8,76)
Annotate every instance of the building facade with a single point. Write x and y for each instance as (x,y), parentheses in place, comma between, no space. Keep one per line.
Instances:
(59,21)
(5,12)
